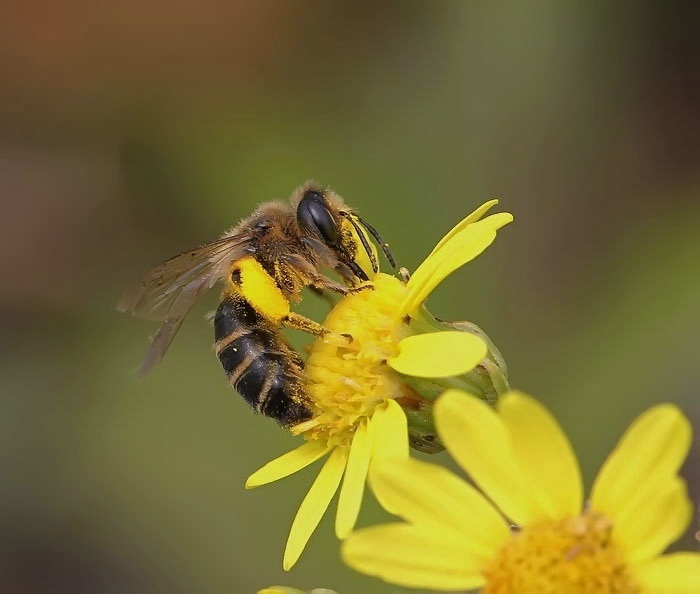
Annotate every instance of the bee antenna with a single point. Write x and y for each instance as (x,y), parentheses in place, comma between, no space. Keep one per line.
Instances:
(363,239)
(385,246)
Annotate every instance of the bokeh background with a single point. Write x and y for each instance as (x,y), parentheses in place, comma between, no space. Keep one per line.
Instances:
(132,131)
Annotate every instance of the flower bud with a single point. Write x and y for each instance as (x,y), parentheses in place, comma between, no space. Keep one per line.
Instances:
(488,380)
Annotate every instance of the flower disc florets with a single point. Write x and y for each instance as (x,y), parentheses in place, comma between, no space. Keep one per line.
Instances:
(348,379)
(570,556)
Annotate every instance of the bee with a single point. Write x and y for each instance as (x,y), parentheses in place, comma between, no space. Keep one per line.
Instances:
(264,262)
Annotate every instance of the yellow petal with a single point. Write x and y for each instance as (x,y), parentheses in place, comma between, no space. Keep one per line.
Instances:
(544,455)
(464,246)
(478,440)
(389,435)
(439,354)
(468,220)
(678,573)
(287,464)
(653,520)
(389,430)
(314,506)
(408,556)
(655,445)
(353,482)
(475,239)
(430,496)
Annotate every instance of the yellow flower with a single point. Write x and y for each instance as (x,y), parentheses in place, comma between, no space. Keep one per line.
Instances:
(286,590)
(456,539)
(354,387)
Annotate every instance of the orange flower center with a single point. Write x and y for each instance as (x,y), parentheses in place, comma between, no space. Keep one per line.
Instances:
(570,556)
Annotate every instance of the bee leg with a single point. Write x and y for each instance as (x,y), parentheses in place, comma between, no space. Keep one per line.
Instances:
(323,282)
(359,288)
(299,322)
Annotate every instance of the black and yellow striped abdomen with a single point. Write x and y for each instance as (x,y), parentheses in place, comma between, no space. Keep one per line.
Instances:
(258,362)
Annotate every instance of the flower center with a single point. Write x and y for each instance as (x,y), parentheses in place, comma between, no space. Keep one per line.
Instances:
(348,380)
(570,556)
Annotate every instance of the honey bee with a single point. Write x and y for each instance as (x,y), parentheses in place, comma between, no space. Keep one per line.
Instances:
(263,263)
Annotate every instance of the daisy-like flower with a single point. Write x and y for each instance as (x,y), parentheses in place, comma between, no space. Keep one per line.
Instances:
(359,391)
(286,590)
(456,539)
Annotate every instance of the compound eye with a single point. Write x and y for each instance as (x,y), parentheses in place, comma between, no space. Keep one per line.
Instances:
(313,215)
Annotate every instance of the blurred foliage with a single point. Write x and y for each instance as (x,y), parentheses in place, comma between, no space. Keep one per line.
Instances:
(131,134)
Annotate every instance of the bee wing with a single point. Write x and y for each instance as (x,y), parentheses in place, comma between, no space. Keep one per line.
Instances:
(167,292)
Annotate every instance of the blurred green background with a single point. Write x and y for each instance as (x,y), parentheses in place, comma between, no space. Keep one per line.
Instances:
(131,131)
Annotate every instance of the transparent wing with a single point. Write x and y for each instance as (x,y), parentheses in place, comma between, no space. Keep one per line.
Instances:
(167,292)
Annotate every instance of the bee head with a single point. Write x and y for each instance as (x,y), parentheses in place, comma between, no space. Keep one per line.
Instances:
(326,218)
(314,216)
(322,220)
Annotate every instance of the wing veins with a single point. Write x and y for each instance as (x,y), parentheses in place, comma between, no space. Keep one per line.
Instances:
(167,292)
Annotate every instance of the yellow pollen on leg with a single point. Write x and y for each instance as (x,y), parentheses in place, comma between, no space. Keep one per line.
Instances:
(345,379)
(570,556)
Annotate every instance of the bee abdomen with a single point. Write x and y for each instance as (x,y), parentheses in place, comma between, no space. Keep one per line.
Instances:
(259,364)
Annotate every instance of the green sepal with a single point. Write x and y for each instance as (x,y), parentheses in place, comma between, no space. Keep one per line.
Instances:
(488,380)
